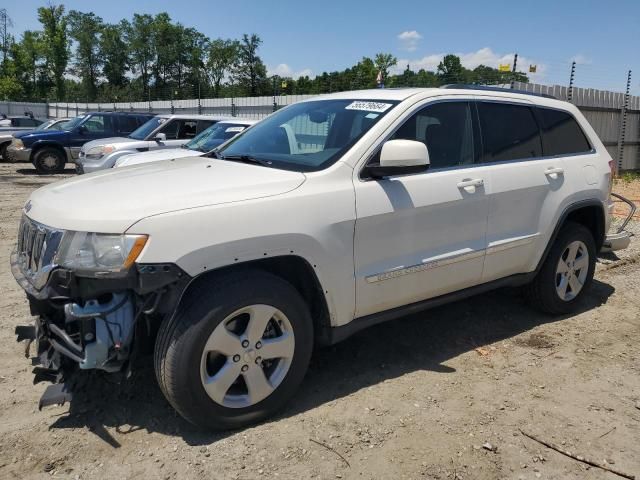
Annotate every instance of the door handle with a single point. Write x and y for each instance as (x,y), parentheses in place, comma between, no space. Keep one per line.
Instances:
(471,182)
(554,171)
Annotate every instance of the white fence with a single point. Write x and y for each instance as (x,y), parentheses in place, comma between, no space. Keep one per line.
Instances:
(618,126)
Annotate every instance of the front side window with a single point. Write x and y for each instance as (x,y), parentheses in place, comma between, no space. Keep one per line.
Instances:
(96,124)
(509,132)
(446,129)
(561,134)
(147,128)
(180,129)
(308,136)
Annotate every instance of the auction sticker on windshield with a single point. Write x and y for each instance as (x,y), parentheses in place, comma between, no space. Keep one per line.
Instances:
(369,106)
(234,129)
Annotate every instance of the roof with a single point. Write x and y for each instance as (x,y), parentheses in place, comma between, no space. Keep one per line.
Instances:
(187,116)
(400,94)
(240,121)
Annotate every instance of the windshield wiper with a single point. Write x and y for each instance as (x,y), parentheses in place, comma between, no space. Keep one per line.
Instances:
(246,159)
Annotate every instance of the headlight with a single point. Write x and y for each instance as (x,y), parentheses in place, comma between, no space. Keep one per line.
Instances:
(17,143)
(99,253)
(100,150)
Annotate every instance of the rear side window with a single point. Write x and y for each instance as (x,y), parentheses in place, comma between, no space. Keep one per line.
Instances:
(509,132)
(127,124)
(561,134)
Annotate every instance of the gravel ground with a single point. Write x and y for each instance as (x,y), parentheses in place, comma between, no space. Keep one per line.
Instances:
(439,395)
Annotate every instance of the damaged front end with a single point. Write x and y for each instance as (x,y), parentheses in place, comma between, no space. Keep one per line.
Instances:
(86,322)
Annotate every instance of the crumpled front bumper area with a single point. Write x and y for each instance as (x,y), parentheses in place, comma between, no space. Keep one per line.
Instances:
(621,238)
(96,335)
(93,323)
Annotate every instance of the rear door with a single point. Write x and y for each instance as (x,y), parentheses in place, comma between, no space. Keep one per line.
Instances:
(526,187)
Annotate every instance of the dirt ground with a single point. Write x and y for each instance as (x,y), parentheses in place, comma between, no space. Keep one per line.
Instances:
(439,395)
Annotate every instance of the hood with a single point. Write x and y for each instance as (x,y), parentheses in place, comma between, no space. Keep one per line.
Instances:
(156,156)
(107,141)
(41,135)
(111,201)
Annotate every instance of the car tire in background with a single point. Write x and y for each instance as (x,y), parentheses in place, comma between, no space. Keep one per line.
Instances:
(3,151)
(236,349)
(49,160)
(566,273)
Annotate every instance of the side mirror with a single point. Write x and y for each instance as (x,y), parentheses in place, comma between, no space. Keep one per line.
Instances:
(400,157)
(82,129)
(160,137)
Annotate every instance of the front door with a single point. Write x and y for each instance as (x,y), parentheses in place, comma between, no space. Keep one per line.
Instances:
(423,235)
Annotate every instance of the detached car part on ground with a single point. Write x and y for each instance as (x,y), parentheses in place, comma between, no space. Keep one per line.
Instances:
(204,142)
(329,216)
(159,133)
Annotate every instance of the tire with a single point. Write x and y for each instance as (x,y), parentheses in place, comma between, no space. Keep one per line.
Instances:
(48,161)
(545,292)
(3,151)
(181,363)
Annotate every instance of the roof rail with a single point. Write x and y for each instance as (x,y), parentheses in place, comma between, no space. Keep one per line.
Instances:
(487,88)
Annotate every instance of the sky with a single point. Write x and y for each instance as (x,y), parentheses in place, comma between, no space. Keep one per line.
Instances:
(311,37)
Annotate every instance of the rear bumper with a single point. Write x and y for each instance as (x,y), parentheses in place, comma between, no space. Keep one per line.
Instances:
(616,241)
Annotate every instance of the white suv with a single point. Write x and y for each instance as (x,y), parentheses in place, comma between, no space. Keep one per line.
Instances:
(331,215)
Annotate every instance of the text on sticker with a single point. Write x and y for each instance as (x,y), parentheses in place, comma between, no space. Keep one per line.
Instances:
(368,106)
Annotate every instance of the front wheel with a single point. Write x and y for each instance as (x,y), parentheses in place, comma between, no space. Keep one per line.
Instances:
(566,273)
(236,350)
(48,161)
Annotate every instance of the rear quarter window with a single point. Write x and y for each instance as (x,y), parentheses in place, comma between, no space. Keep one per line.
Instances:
(561,134)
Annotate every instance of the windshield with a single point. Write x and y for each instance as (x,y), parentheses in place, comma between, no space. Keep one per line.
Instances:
(214,135)
(74,122)
(45,125)
(144,130)
(308,136)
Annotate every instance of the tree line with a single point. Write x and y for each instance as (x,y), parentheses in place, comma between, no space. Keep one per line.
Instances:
(77,56)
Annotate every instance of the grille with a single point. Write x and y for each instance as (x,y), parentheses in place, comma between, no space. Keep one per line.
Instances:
(37,247)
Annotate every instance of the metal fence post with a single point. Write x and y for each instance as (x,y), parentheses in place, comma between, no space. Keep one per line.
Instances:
(513,73)
(623,122)
(571,77)
(199,100)
(76,108)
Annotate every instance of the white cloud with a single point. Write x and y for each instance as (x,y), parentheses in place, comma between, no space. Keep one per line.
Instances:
(284,70)
(409,40)
(484,56)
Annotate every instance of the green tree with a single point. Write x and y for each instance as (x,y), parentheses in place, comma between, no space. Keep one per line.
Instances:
(139,37)
(383,62)
(450,70)
(55,45)
(85,29)
(249,72)
(10,88)
(115,53)
(223,55)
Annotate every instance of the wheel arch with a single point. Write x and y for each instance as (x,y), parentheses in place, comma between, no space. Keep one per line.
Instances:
(294,269)
(46,144)
(589,213)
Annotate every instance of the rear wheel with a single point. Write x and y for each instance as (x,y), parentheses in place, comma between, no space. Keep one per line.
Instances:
(48,161)
(236,350)
(567,271)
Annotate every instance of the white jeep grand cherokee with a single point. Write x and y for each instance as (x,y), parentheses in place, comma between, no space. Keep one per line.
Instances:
(329,216)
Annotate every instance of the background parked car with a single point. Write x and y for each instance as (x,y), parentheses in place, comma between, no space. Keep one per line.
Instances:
(206,141)
(49,150)
(25,121)
(160,132)
(7,136)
